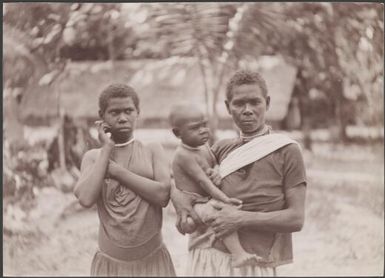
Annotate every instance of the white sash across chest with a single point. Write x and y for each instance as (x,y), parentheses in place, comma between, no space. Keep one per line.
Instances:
(253,151)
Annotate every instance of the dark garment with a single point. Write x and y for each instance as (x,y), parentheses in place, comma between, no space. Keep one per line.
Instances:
(158,263)
(261,186)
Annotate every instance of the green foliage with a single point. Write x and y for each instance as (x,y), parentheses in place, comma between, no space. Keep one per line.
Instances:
(218,34)
(97,32)
(211,28)
(33,38)
(338,49)
(40,37)
(24,171)
(42,24)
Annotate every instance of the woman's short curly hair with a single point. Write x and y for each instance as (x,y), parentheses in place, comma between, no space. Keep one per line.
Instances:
(115,91)
(242,77)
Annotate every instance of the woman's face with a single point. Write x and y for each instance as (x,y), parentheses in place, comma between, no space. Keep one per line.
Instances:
(121,115)
(248,107)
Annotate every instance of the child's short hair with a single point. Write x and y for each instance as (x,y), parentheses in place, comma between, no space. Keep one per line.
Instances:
(242,77)
(180,112)
(175,113)
(115,91)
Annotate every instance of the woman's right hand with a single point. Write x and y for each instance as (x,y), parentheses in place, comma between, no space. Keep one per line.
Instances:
(183,203)
(235,202)
(104,137)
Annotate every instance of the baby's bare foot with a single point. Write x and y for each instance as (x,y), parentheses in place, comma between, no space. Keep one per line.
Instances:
(243,259)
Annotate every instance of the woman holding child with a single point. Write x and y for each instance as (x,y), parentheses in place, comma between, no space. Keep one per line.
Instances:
(266,172)
(130,183)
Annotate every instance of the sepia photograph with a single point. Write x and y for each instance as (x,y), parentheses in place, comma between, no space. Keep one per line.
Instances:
(197,139)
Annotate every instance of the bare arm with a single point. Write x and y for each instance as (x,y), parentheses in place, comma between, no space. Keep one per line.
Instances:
(195,172)
(290,219)
(156,191)
(92,171)
(183,203)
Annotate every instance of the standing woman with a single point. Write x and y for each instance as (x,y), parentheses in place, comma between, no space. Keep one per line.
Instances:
(130,183)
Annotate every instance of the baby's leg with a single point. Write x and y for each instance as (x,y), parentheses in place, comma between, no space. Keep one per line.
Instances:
(204,210)
(239,257)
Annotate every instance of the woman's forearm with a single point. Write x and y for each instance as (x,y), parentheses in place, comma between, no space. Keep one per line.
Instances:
(287,220)
(281,221)
(228,219)
(153,191)
(90,183)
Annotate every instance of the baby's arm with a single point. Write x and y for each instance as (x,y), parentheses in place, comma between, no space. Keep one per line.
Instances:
(215,177)
(192,168)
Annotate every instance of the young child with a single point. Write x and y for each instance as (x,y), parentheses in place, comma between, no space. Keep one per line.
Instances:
(191,160)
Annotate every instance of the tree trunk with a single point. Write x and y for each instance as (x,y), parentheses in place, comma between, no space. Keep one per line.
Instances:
(213,117)
(337,84)
(60,136)
(306,131)
(340,119)
(231,36)
(111,48)
(62,160)
(13,129)
(202,62)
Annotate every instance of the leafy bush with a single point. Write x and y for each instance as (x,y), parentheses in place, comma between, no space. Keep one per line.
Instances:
(24,172)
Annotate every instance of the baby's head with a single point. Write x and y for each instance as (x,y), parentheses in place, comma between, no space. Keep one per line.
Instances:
(189,124)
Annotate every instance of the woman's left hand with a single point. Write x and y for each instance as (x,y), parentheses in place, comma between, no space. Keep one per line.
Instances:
(226,220)
(183,203)
(113,169)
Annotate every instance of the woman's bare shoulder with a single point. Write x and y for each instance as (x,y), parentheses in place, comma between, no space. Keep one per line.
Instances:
(153,146)
(89,158)
(91,154)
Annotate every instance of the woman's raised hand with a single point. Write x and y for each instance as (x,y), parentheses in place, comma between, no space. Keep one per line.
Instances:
(104,137)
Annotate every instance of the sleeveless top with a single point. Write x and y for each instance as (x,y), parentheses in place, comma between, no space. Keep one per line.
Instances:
(129,225)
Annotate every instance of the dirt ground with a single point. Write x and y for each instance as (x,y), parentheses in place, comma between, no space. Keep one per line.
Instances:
(343,233)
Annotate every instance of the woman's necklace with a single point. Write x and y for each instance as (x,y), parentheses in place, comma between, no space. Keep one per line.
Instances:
(125,143)
(265,130)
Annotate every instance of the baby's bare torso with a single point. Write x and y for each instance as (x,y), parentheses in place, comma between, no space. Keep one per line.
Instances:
(183,180)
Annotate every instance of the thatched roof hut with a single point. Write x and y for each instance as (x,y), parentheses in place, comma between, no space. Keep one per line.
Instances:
(77,94)
(159,83)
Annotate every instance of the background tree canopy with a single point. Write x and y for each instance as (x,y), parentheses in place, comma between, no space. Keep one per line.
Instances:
(59,55)
(337,47)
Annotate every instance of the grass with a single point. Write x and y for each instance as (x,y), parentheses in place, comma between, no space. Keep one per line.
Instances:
(343,232)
